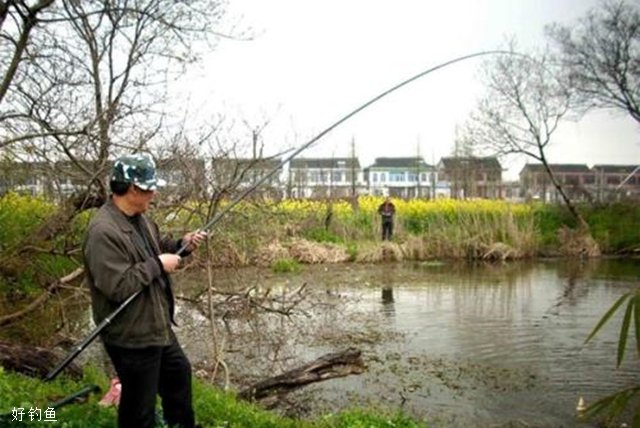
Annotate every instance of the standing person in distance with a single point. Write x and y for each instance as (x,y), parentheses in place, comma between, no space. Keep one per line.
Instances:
(124,253)
(387,212)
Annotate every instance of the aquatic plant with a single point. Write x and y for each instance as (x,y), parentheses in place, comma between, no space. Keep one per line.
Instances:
(286,266)
(612,406)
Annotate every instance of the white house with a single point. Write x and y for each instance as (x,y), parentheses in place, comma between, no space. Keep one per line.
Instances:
(324,178)
(401,177)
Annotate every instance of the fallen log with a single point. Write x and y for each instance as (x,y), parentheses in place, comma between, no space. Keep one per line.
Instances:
(32,360)
(329,366)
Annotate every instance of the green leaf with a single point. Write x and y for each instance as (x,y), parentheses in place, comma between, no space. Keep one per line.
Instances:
(612,404)
(608,315)
(600,405)
(624,331)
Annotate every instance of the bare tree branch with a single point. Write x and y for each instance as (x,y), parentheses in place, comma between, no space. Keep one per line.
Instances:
(29,18)
(521,111)
(601,57)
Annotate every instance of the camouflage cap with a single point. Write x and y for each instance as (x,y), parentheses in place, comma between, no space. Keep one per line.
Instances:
(138,169)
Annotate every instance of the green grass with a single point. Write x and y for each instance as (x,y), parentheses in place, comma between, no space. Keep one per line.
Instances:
(322,235)
(286,266)
(364,419)
(213,407)
(615,226)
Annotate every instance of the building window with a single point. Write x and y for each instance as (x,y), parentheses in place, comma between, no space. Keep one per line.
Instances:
(396,176)
(571,180)
(336,177)
(375,177)
(383,177)
(613,180)
(314,177)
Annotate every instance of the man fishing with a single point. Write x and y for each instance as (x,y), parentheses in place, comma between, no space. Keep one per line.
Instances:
(123,254)
(387,211)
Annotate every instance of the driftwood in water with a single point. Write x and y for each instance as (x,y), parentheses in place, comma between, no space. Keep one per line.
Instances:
(329,366)
(32,360)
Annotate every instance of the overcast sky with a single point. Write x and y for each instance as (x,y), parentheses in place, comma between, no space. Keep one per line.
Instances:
(313,61)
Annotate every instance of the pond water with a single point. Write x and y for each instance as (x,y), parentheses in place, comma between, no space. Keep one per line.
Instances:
(451,344)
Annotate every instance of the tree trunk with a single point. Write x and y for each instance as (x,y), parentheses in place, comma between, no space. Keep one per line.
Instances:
(329,366)
(32,360)
(582,224)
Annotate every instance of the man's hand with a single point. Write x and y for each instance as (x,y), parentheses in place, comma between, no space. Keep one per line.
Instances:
(192,240)
(170,262)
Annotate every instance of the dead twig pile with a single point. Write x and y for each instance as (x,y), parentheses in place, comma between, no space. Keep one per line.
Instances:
(314,252)
(228,254)
(384,252)
(500,251)
(577,242)
(270,253)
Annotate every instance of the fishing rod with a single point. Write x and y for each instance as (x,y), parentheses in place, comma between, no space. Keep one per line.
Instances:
(80,347)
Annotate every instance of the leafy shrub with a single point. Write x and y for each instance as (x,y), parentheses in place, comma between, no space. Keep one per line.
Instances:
(550,218)
(286,266)
(615,226)
(321,235)
(19,216)
(352,250)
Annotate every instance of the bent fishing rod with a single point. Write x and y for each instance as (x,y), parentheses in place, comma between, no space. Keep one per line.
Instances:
(81,346)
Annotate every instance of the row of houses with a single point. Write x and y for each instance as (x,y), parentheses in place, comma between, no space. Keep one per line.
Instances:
(459,178)
(581,183)
(401,177)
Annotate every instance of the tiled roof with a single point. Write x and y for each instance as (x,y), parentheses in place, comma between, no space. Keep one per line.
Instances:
(471,161)
(407,162)
(620,169)
(324,163)
(557,167)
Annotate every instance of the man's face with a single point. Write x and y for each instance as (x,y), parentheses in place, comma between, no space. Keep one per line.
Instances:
(141,199)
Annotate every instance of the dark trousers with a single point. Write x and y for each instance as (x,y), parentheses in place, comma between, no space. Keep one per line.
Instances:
(387,230)
(146,372)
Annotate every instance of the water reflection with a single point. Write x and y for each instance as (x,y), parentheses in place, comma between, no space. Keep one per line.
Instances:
(387,296)
(505,322)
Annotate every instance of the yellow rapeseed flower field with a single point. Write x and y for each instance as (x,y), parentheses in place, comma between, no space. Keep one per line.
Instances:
(416,208)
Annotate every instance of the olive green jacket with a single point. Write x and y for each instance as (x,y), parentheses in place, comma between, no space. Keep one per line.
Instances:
(117,266)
